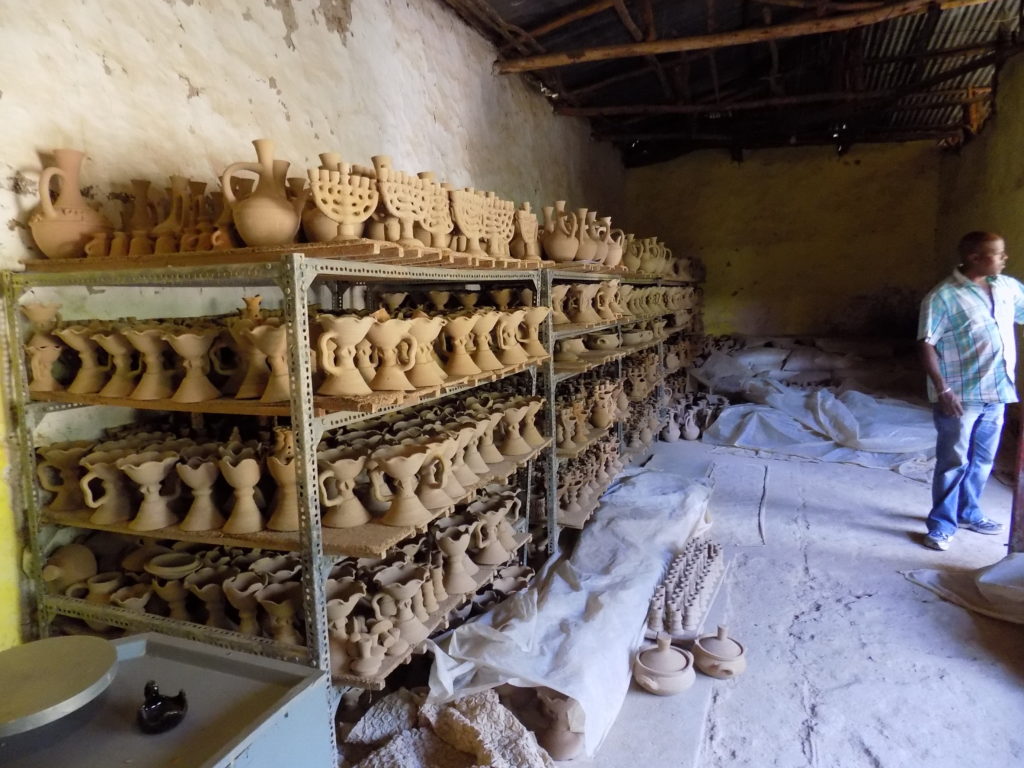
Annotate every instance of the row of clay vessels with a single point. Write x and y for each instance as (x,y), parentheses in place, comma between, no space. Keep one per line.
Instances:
(666,670)
(682,598)
(247,355)
(401,476)
(641,373)
(605,301)
(387,608)
(585,409)
(340,202)
(643,426)
(690,414)
(234,589)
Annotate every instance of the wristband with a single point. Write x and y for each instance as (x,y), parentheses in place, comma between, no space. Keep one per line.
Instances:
(947,389)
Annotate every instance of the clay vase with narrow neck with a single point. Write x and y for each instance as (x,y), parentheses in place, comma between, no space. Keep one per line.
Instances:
(400,463)
(513,443)
(342,508)
(483,355)
(386,335)
(200,474)
(284,513)
(104,489)
(123,377)
(506,332)
(267,216)
(337,346)
(281,602)
(149,471)
(558,237)
(192,347)
(588,245)
(530,339)
(272,341)
(156,383)
(242,474)
(91,375)
(241,591)
(457,332)
(60,472)
(62,227)
(427,372)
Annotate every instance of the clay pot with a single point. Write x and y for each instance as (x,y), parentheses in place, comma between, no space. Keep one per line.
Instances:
(282,602)
(337,346)
(588,243)
(99,589)
(68,565)
(242,474)
(719,655)
(132,598)
(113,505)
(400,463)
(558,739)
(62,227)
(193,347)
(121,382)
(342,509)
(200,475)
(267,216)
(91,375)
(241,591)
(386,335)
(662,669)
(155,383)
(60,472)
(150,470)
(272,341)
(559,234)
(172,565)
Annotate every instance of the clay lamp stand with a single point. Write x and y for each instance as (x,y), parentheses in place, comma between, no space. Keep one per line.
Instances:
(719,655)
(340,605)
(501,297)
(112,506)
(528,428)
(404,197)
(173,592)
(208,585)
(281,602)
(241,591)
(386,336)
(368,648)
(60,473)
(200,475)
(466,476)
(193,347)
(97,590)
(91,375)
(486,542)
(123,376)
(439,299)
(43,348)
(337,345)
(483,356)
(272,341)
(434,476)
(447,450)
(511,351)
(342,509)
(514,444)
(392,301)
(150,471)
(155,383)
(486,447)
(426,372)
(558,297)
(284,514)
(400,463)
(243,474)
(459,569)
(253,373)
(663,669)
(457,331)
(531,322)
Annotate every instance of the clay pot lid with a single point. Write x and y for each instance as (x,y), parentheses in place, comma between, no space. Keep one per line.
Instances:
(663,657)
(721,645)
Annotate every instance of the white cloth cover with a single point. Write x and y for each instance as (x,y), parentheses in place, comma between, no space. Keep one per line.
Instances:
(996,590)
(576,628)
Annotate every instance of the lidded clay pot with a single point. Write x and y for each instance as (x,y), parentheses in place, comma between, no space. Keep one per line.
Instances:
(719,655)
(663,669)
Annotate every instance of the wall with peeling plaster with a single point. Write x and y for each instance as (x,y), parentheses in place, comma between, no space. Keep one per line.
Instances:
(800,241)
(153,87)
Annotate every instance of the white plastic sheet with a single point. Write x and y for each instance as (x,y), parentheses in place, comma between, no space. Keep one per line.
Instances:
(996,590)
(575,629)
(850,427)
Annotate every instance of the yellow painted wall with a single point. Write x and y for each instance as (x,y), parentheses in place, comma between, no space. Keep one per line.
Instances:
(799,240)
(983,186)
(10,617)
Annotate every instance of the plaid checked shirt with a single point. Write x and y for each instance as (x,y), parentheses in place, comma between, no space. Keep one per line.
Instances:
(974,336)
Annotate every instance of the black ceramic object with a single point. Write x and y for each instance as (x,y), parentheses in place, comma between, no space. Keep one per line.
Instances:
(161,713)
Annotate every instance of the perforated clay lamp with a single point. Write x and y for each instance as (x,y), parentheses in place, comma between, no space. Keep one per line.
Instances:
(662,669)
(719,655)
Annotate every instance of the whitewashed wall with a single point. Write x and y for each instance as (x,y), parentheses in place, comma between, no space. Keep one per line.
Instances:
(153,87)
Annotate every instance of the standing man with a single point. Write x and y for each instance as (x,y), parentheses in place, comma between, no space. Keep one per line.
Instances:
(967,346)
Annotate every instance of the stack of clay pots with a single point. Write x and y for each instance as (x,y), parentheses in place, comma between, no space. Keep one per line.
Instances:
(681,601)
(247,355)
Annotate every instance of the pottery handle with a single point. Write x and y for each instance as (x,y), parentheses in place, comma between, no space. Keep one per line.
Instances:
(45,178)
(379,489)
(231,170)
(375,604)
(325,496)
(217,359)
(46,476)
(414,348)
(327,354)
(648,682)
(90,500)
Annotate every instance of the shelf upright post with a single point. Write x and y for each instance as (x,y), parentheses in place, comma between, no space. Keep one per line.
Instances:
(24,493)
(551,491)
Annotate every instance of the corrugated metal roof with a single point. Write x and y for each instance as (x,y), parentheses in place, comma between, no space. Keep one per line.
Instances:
(856,64)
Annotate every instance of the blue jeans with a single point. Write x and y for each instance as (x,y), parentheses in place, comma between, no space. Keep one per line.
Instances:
(964,453)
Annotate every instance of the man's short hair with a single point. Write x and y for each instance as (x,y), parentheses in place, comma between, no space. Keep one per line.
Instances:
(972,242)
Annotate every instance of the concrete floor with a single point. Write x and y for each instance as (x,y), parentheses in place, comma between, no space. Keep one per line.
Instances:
(850,664)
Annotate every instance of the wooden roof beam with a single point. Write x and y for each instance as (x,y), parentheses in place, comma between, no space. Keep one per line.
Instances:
(747,36)
(638,35)
(566,19)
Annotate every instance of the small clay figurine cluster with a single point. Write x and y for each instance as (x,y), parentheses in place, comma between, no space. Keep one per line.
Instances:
(260,205)
(684,595)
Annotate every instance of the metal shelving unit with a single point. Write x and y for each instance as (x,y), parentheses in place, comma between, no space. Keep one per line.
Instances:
(294,273)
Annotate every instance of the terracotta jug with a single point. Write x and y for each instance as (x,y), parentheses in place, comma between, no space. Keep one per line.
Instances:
(337,345)
(62,227)
(559,234)
(267,216)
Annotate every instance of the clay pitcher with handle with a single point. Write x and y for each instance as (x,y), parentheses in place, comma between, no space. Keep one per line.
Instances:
(267,216)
